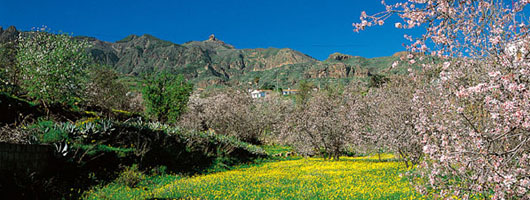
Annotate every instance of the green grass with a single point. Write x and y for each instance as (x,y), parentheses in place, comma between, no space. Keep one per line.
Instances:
(307,178)
(276,149)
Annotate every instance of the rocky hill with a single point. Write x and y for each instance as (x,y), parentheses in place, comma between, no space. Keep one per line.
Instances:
(213,61)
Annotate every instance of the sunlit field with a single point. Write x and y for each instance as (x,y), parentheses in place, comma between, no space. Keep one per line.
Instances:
(309,178)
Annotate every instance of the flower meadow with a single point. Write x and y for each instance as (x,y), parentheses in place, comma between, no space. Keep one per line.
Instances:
(307,178)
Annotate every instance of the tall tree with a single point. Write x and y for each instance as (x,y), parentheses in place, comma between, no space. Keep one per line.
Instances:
(53,67)
(474,117)
(166,96)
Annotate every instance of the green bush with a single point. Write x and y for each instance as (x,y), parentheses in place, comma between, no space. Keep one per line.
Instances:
(146,144)
(166,96)
(95,152)
(130,177)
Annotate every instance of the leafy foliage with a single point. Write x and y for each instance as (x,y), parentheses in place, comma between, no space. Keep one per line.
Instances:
(377,80)
(53,67)
(130,177)
(166,96)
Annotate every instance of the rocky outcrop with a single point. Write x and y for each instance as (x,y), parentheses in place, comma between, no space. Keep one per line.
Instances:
(8,35)
(265,59)
(335,70)
(339,57)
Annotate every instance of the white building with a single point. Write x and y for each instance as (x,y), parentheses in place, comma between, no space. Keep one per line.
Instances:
(260,93)
(289,91)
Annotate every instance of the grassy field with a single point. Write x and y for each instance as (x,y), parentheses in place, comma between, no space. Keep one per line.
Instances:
(308,178)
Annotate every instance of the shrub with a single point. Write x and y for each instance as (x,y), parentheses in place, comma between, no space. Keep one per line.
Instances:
(165,96)
(130,177)
(48,132)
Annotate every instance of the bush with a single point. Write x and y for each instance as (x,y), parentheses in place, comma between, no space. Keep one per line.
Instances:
(93,152)
(130,177)
(166,96)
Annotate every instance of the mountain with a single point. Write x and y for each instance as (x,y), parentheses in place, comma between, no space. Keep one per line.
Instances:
(214,62)
(206,62)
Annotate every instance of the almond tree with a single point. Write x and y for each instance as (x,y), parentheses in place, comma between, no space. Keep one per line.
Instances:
(270,113)
(474,118)
(235,113)
(324,124)
(53,67)
(392,119)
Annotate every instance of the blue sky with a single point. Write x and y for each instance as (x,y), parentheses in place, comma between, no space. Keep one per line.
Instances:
(316,28)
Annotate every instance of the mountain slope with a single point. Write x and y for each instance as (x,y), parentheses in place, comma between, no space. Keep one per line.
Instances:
(213,62)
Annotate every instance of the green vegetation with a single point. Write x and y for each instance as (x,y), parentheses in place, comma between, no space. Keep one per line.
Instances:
(277,149)
(95,151)
(312,178)
(166,96)
(78,102)
(53,67)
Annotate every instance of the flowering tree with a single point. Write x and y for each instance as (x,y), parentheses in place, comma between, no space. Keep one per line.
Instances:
(391,118)
(474,118)
(235,113)
(324,124)
(53,67)
(10,72)
(105,90)
(271,113)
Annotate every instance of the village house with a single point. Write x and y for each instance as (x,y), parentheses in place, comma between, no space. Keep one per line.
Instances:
(260,93)
(289,91)
(263,93)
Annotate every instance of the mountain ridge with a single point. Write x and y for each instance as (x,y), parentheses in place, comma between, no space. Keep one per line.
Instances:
(212,61)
